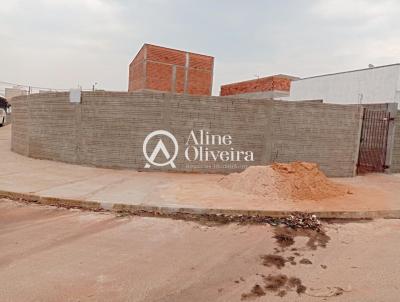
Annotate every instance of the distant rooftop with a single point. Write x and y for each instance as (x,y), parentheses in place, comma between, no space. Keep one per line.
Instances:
(348,71)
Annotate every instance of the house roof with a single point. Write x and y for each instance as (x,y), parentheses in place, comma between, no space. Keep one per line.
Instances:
(348,71)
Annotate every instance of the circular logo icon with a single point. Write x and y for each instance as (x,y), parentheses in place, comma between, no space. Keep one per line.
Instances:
(160,147)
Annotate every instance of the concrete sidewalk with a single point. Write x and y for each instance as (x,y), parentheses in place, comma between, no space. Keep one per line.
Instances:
(373,195)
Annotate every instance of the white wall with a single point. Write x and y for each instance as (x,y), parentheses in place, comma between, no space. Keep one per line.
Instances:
(12,92)
(376,85)
(397,93)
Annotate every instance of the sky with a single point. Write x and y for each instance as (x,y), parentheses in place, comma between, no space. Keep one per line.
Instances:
(61,44)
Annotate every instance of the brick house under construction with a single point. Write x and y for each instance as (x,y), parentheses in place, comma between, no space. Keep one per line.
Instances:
(272,87)
(170,70)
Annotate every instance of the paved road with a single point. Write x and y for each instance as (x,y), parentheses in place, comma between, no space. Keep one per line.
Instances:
(52,254)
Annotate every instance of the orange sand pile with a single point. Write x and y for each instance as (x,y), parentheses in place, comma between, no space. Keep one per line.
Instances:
(297,180)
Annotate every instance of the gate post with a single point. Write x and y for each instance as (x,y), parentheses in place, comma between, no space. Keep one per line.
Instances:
(358,143)
(392,109)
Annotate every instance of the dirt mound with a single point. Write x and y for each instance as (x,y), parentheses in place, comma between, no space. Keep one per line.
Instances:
(297,180)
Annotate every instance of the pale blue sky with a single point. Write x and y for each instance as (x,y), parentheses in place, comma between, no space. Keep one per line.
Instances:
(60,43)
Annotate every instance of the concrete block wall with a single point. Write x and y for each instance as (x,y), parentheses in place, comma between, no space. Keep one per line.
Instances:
(395,167)
(108,129)
(20,126)
(324,133)
(8,118)
(52,127)
(170,70)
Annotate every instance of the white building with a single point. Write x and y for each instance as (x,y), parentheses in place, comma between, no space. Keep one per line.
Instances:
(371,85)
(12,92)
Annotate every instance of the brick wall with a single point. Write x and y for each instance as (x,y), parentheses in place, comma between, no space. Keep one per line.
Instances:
(279,83)
(137,71)
(108,129)
(171,70)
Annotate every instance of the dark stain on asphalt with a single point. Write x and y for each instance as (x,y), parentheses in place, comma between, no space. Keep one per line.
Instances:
(284,240)
(273,260)
(305,261)
(255,292)
(275,282)
(285,237)
(291,260)
(281,293)
(280,284)
(295,283)
(277,261)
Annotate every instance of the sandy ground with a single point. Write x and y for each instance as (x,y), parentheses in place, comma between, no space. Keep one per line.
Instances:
(51,254)
(54,179)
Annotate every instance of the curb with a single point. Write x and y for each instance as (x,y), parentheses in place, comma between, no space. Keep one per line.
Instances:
(122,208)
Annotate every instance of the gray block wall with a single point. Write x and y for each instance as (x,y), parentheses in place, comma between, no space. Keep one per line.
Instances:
(108,129)
(20,127)
(395,167)
(324,133)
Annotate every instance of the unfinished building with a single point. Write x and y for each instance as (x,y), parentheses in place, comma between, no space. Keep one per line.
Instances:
(272,87)
(170,70)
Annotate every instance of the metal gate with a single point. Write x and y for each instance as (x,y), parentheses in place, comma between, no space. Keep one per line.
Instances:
(374,140)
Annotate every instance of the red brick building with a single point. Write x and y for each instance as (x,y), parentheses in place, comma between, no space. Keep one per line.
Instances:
(165,69)
(269,87)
